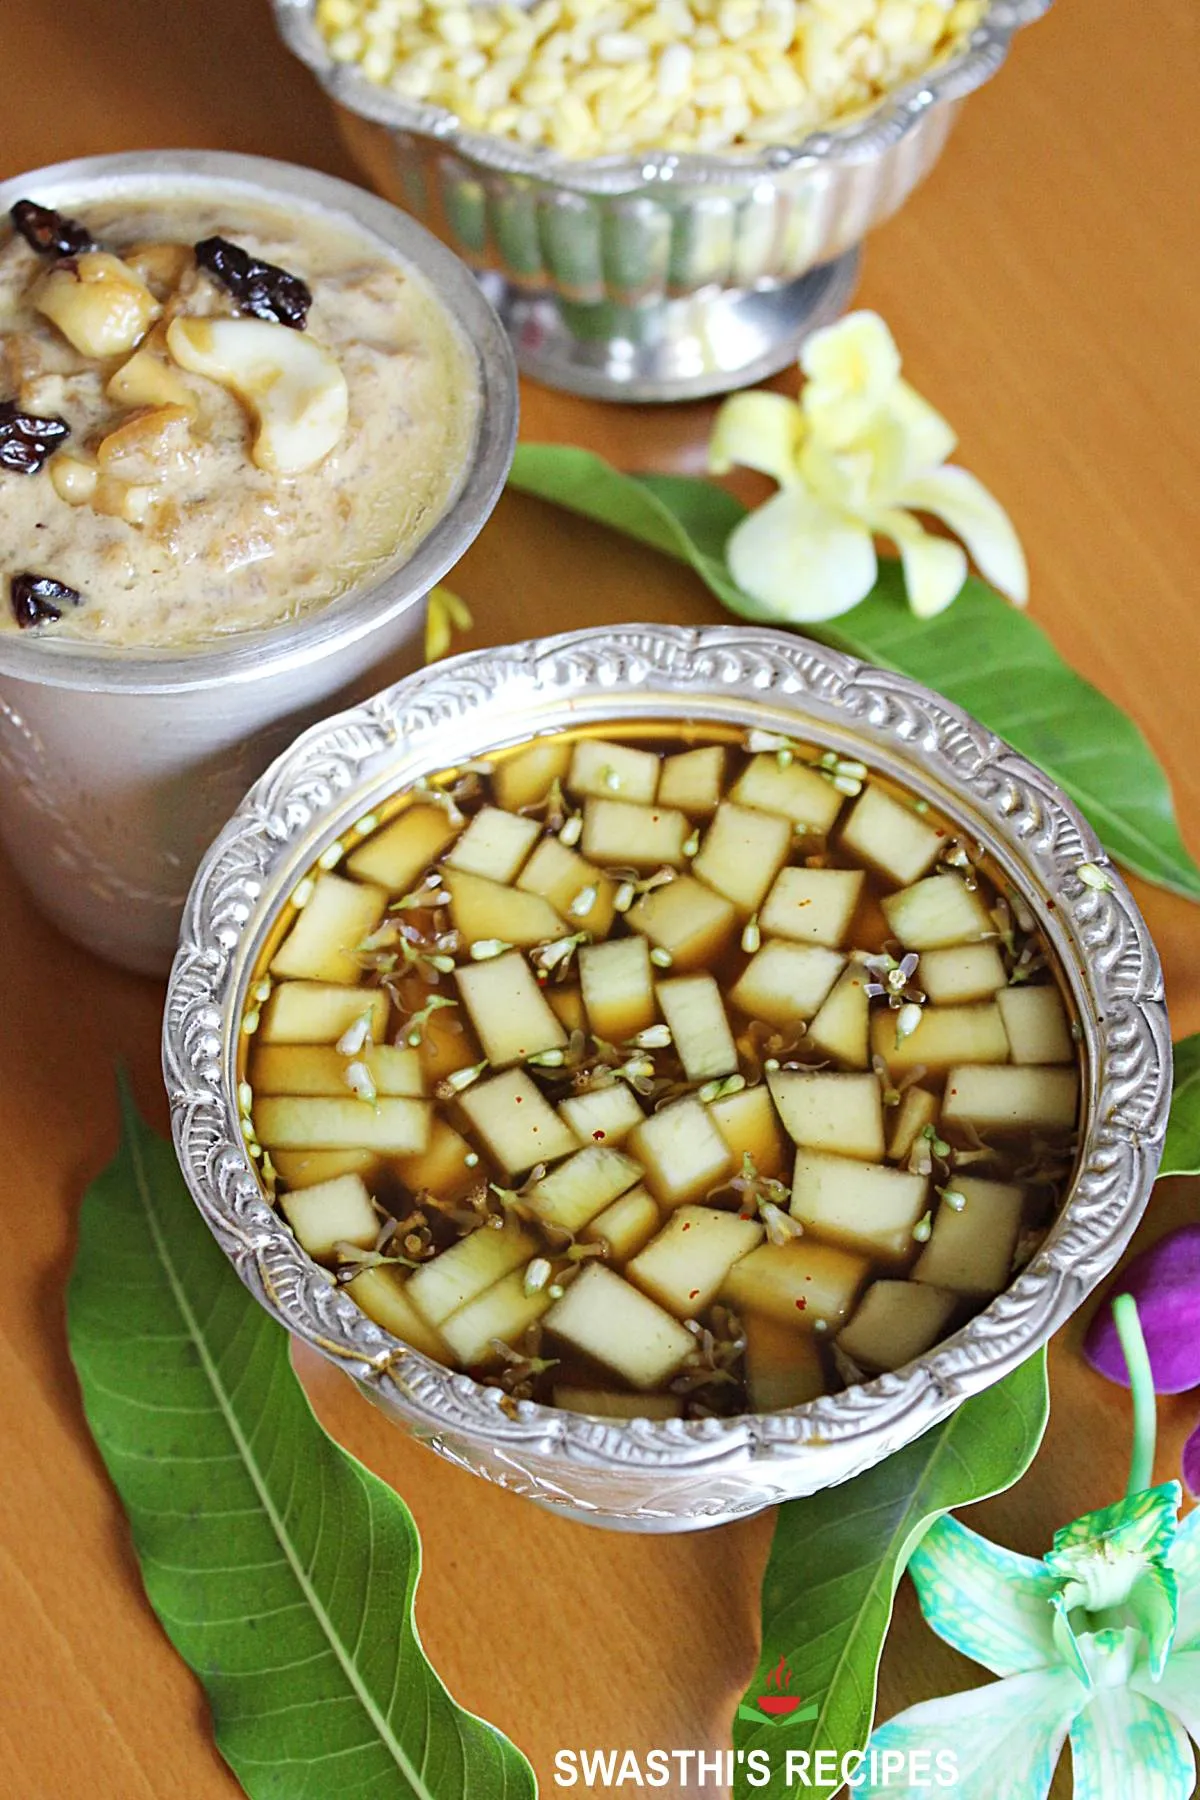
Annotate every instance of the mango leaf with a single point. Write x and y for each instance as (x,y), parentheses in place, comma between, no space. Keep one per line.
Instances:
(1181,1153)
(684,518)
(982,653)
(282,1570)
(836,1561)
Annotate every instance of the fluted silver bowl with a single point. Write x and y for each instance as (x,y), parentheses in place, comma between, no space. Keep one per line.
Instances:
(673,1475)
(659,276)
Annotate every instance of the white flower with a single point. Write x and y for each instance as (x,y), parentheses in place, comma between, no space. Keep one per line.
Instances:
(445,614)
(856,457)
(1099,1642)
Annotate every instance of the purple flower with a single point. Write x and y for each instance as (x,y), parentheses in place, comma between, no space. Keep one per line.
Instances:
(1191,1464)
(1165,1282)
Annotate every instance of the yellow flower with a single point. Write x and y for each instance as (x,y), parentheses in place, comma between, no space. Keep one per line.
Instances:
(855,458)
(445,615)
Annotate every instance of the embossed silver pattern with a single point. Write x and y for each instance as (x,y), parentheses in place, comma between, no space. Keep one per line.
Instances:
(673,1475)
(662,275)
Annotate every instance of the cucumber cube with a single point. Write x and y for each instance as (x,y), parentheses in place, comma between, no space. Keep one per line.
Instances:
(842,1028)
(962,972)
(614,771)
(684,1267)
(525,778)
(783,1365)
(604,1115)
(321,1069)
(826,1111)
(895,1322)
(518,1126)
(785,983)
(508,1009)
(918,1108)
(310,1012)
(626,1225)
(502,1313)
(333,1212)
(889,835)
(797,1283)
(742,853)
(495,844)
(1011,1098)
(481,909)
(380,1293)
(394,1127)
(813,906)
(682,1152)
(618,833)
(468,1268)
(609,1320)
(686,920)
(946,1035)
(794,790)
(749,1124)
(307,1168)
(693,1009)
(938,911)
(576,890)
(603,1404)
(403,850)
(693,780)
(971,1248)
(618,987)
(866,1206)
(566,1003)
(442,1167)
(577,1189)
(323,943)
(1037,1025)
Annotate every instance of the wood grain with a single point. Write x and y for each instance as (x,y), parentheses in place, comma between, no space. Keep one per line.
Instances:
(1042,288)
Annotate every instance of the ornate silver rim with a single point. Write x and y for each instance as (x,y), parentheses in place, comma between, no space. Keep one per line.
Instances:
(861,140)
(340,769)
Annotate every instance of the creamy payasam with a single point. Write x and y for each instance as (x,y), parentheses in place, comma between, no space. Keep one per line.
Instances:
(214,418)
(662,1075)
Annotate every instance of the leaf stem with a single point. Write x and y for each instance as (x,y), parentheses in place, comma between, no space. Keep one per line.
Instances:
(1141,1385)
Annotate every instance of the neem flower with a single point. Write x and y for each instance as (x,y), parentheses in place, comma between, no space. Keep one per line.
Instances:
(1098,1642)
(855,458)
(1165,1282)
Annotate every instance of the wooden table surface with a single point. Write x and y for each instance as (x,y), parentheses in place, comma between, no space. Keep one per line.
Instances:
(1042,289)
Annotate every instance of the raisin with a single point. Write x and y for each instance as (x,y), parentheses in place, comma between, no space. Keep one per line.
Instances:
(35,599)
(27,440)
(48,232)
(258,287)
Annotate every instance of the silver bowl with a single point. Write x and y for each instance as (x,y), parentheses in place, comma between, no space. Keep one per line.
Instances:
(117,766)
(659,276)
(675,1475)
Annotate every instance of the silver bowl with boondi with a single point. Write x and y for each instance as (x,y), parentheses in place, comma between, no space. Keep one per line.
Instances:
(662,197)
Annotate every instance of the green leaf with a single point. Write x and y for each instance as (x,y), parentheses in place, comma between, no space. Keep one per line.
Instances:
(837,1559)
(691,522)
(281,1569)
(982,653)
(1181,1153)
(1042,707)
